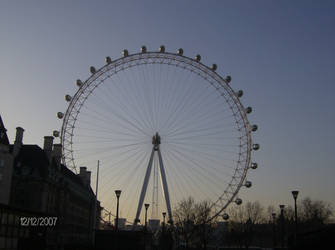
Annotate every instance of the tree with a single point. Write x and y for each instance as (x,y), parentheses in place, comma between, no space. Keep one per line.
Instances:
(204,227)
(242,221)
(313,231)
(315,212)
(184,217)
(251,210)
(192,222)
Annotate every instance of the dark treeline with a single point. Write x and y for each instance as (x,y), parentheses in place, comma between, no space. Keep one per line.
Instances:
(252,224)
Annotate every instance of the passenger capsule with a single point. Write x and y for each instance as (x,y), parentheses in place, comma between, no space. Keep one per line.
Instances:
(180,52)
(214,67)
(125,53)
(79,83)
(254,128)
(92,70)
(238,201)
(143,49)
(248,110)
(60,115)
(108,60)
(68,98)
(55,133)
(254,165)
(239,94)
(197,58)
(162,49)
(225,216)
(255,146)
(248,184)
(228,79)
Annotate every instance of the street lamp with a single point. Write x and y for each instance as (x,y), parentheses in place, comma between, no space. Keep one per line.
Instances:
(295,196)
(164,214)
(282,224)
(146,211)
(274,229)
(118,193)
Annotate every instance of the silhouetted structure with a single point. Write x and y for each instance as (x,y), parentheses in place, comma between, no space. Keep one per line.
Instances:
(33,179)
(122,240)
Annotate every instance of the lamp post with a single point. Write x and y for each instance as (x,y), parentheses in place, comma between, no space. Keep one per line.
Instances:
(295,196)
(118,193)
(274,229)
(146,212)
(282,224)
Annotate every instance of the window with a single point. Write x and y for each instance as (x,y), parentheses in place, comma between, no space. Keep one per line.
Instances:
(2,163)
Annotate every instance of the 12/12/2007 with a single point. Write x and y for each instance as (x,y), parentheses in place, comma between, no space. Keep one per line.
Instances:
(38,221)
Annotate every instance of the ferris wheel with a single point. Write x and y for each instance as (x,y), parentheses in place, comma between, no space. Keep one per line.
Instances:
(159,115)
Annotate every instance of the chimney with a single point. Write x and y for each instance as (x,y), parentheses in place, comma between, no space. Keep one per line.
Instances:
(85,176)
(18,140)
(82,171)
(47,147)
(57,153)
(19,135)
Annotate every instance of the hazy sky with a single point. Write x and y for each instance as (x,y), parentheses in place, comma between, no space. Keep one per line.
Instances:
(281,53)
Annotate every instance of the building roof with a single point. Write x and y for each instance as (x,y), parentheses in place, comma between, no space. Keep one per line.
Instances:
(3,133)
(72,176)
(34,157)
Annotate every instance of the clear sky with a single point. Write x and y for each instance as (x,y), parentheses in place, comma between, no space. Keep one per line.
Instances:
(281,53)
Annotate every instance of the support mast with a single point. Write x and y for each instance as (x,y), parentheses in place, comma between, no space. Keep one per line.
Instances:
(156,140)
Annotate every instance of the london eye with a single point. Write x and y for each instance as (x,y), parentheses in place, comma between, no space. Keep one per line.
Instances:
(164,127)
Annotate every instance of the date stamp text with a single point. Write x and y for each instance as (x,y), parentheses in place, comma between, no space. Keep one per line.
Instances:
(38,221)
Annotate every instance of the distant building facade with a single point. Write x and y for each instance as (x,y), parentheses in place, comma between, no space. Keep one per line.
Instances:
(33,179)
(121,224)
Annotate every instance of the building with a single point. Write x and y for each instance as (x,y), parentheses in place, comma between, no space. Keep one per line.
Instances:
(33,179)
(121,224)
(6,159)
